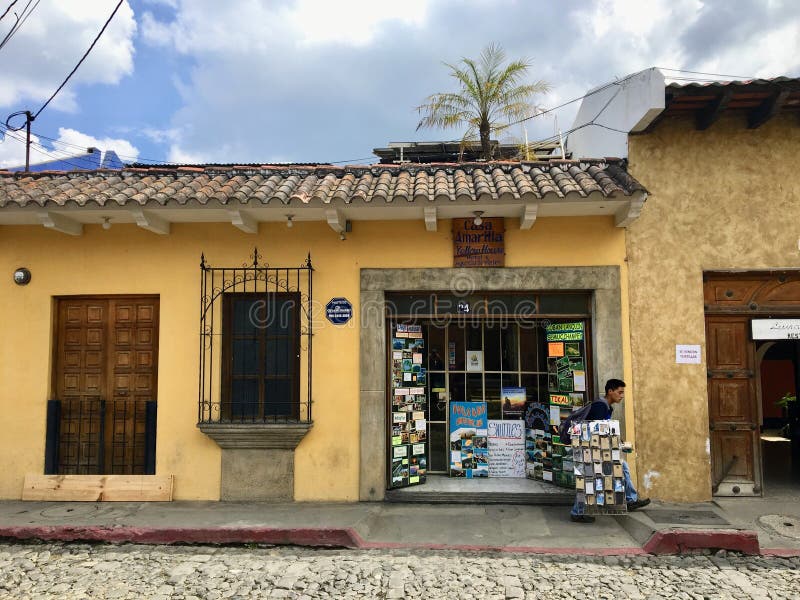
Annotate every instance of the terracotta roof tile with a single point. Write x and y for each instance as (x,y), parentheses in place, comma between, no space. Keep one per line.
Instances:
(327,184)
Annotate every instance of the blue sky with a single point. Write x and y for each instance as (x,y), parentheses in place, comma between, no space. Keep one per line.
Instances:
(316,81)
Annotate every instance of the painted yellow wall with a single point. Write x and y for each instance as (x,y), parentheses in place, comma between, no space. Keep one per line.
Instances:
(129,260)
(725,198)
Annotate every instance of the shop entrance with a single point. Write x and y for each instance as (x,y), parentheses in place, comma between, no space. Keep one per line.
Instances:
(489,352)
(780,440)
(753,353)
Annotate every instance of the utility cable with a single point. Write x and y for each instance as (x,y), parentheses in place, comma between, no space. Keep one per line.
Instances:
(19,23)
(116,8)
(10,6)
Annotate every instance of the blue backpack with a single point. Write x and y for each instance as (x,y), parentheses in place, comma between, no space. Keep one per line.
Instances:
(576,416)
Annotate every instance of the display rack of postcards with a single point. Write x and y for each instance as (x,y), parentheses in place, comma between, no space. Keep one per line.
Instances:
(597,462)
(408,456)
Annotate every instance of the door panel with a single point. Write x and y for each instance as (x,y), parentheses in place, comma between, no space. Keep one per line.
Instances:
(733,413)
(105,373)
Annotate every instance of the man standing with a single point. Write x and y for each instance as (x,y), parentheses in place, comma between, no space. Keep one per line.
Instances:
(601,411)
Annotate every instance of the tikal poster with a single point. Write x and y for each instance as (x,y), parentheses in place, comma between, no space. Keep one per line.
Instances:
(408,459)
(469,451)
(506,442)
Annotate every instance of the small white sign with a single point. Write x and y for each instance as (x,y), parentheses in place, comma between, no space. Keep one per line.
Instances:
(474,361)
(776,329)
(687,354)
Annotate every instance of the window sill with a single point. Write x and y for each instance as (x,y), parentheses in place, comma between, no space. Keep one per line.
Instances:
(256,435)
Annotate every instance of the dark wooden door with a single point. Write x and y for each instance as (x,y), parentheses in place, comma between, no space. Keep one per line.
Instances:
(106,357)
(733,411)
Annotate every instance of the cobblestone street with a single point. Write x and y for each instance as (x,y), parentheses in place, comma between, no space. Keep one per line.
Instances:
(74,571)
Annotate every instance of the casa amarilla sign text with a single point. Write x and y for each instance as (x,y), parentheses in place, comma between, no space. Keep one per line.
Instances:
(481,245)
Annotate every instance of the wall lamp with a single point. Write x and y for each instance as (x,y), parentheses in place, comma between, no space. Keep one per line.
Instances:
(22,276)
(477,220)
(106,223)
(289,222)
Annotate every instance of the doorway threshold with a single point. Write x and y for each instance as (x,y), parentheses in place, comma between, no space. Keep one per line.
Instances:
(441,489)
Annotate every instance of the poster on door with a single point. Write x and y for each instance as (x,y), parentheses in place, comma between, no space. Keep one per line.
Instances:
(469,450)
(408,460)
(506,442)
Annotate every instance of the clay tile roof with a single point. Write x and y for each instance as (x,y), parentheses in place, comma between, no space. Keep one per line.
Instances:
(326,184)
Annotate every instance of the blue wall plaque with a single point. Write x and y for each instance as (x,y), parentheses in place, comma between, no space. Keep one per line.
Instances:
(339,311)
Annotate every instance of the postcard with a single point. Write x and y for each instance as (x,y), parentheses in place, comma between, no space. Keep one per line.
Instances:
(406,376)
(396,440)
(579,381)
(402,328)
(399,417)
(565,384)
(598,483)
(413,479)
(547,475)
(615,456)
(415,336)
(416,358)
(613,426)
(418,415)
(555,349)
(400,451)
(407,364)
(401,392)
(589,487)
(601,499)
(418,391)
(619,485)
(420,425)
(398,344)
(397,355)
(576,399)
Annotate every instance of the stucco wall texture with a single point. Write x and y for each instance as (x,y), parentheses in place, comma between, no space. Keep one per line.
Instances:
(130,260)
(721,199)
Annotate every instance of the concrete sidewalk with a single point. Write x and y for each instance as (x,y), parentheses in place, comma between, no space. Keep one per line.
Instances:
(738,524)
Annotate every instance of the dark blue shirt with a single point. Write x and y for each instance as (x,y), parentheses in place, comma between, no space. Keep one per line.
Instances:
(600,410)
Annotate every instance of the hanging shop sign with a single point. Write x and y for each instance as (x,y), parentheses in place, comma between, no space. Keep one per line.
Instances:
(776,329)
(339,311)
(480,245)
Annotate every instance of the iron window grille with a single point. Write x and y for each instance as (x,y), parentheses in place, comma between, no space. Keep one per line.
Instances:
(255,343)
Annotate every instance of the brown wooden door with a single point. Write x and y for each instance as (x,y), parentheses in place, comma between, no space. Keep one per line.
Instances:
(733,412)
(106,357)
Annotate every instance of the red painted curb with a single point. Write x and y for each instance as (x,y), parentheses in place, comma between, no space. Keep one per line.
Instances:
(679,541)
(342,538)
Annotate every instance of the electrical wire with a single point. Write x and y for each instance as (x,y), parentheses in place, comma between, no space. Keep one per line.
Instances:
(19,23)
(745,77)
(10,6)
(116,8)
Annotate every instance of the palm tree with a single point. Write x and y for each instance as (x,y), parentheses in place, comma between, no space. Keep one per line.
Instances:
(490,98)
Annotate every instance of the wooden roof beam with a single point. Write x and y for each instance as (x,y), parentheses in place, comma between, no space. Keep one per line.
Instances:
(147,220)
(430,218)
(708,116)
(631,211)
(243,221)
(58,222)
(528,216)
(767,109)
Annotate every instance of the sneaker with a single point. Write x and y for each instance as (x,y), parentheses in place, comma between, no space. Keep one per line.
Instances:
(638,504)
(581,519)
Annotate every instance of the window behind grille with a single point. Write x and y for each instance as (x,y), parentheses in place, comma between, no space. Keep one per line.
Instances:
(261,356)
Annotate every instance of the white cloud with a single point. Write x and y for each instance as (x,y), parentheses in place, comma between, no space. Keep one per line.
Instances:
(49,44)
(69,143)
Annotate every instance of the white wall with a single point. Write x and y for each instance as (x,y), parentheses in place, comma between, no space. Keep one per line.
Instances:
(629,104)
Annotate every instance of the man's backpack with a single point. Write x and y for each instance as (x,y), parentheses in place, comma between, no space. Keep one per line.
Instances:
(576,416)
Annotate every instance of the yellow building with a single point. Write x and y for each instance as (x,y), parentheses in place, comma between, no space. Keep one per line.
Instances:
(714,282)
(235,327)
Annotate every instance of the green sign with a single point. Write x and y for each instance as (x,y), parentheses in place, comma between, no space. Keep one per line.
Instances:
(565,332)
